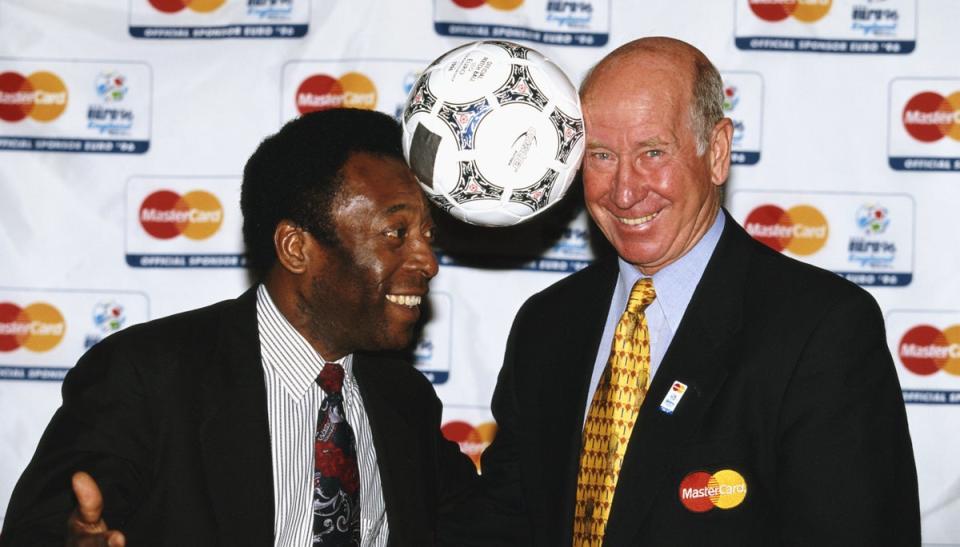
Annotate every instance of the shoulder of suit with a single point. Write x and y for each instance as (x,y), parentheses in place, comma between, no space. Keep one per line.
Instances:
(601,272)
(774,277)
(168,334)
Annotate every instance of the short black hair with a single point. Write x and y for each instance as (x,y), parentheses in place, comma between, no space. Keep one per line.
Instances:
(295,174)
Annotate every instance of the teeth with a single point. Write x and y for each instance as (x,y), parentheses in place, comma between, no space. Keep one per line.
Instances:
(635,221)
(404,299)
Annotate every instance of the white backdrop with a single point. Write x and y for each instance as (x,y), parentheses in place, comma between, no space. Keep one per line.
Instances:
(847,152)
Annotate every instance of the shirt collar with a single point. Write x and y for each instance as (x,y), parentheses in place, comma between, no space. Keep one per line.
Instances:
(287,352)
(676,282)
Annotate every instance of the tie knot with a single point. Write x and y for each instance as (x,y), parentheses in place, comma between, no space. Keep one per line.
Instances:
(331,378)
(641,296)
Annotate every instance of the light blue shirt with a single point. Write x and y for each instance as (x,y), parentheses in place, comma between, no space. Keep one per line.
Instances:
(674,285)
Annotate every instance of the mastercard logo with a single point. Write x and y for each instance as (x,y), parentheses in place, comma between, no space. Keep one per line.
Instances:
(929,116)
(802,229)
(165,214)
(41,96)
(37,327)
(502,5)
(806,11)
(472,440)
(199,6)
(925,350)
(701,491)
(321,92)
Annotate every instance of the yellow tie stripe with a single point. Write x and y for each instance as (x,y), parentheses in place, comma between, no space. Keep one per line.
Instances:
(613,411)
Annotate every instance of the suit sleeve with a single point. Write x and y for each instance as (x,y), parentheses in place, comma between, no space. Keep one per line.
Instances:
(98,429)
(496,514)
(845,468)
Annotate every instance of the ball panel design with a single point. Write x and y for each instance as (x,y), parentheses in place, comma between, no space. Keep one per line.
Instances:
(537,194)
(421,99)
(465,75)
(463,119)
(493,132)
(569,131)
(515,145)
(520,88)
(473,186)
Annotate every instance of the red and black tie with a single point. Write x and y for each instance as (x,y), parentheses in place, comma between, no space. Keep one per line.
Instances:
(336,477)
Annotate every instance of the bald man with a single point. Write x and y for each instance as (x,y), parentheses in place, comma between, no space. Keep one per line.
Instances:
(750,399)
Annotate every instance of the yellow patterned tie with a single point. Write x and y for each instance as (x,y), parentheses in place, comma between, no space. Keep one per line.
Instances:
(610,420)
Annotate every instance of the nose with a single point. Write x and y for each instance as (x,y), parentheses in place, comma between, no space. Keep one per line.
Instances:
(628,186)
(421,258)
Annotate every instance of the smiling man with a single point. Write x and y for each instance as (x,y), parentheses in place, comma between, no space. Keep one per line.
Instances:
(277,418)
(700,388)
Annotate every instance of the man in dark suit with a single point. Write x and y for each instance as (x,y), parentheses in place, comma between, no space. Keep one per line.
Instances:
(202,428)
(773,414)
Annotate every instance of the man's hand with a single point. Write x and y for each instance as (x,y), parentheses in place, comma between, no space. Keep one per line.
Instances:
(86,527)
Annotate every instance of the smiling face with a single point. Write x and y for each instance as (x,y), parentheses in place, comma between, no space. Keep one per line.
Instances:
(649,192)
(366,290)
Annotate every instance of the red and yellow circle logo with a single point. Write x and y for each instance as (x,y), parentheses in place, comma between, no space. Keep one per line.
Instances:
(166,214)
(925,349)
(929,116)
(802,229)
(199,6)
(700,491)
(38,327)
(322,92)
(472,440)
(41,95)
(502,5)
(807,11)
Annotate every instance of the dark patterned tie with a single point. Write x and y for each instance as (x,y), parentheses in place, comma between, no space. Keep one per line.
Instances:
(336,478)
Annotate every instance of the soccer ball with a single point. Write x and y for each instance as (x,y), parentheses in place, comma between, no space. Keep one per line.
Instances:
(493,131)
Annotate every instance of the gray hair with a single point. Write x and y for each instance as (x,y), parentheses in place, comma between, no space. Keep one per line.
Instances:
(706,109)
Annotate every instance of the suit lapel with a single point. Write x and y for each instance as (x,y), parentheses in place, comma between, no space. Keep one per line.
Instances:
(235,434)
(564,396)
(391,436)
(697,356)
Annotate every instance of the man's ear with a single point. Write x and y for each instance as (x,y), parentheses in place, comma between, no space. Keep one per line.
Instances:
(721,141)
(292,244)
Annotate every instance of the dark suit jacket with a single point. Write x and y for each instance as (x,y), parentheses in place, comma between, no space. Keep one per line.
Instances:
(790,383)
(170,418)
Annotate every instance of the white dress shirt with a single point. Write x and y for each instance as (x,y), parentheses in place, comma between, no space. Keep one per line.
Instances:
(290,369)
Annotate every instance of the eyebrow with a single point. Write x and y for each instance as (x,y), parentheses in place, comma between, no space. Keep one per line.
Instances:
(396,208)
(653,141)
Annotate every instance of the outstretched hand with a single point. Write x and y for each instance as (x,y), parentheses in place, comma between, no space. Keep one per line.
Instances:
(86,527)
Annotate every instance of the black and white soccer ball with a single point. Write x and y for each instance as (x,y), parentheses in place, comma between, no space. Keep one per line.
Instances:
(494,133)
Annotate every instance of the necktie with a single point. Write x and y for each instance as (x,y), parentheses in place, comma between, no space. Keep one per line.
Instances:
(336,477)
(610,419)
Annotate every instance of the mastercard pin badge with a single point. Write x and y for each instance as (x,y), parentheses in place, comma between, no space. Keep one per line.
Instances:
(701,491)
(672,398)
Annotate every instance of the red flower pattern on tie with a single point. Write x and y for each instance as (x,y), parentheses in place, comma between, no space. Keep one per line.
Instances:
(336,491)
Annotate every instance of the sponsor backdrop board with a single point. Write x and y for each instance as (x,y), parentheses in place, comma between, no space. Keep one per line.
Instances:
(124,127)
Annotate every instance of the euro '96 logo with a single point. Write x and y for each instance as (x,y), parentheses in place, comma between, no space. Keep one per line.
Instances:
(199,6)
(806,11)
(322,92)
(925,350)
(472,440)
(166,214)
(502,5)
(929,116)
(38,327)
(802,229)
(41,96)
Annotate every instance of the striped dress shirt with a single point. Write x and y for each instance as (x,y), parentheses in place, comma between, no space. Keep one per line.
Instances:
(290,369)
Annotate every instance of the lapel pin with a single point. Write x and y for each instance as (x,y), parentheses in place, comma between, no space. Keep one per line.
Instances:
(672,398)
